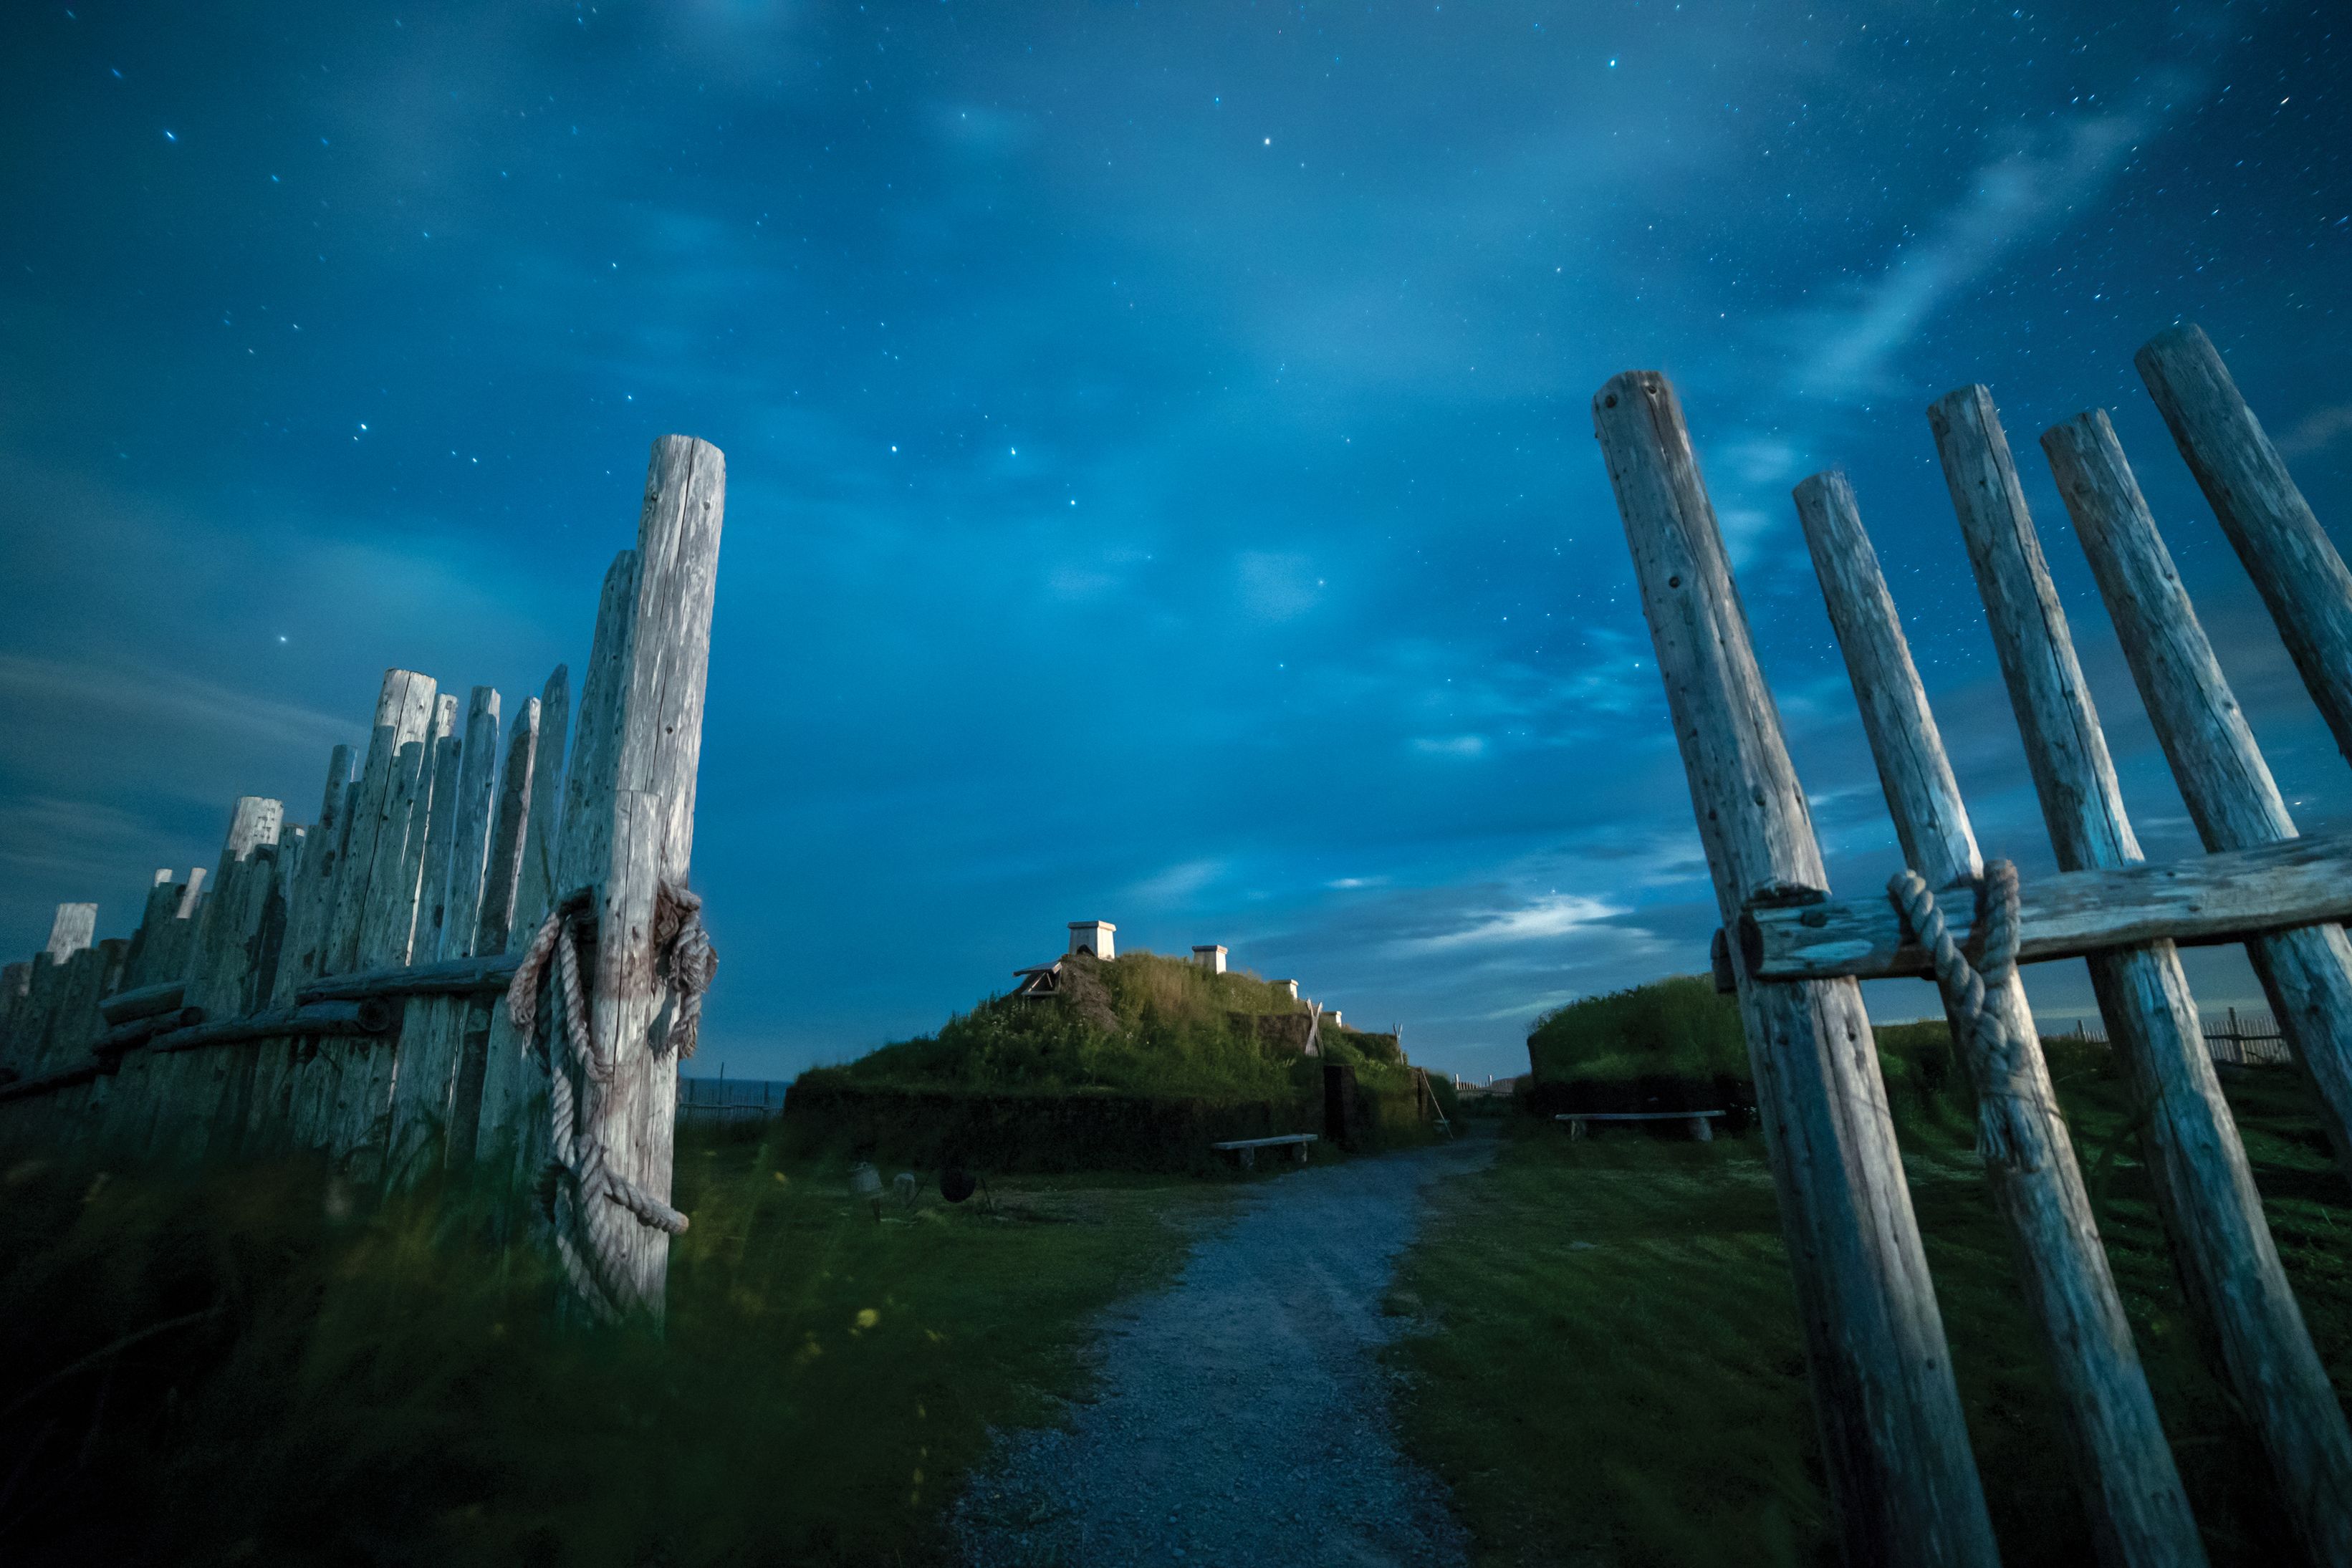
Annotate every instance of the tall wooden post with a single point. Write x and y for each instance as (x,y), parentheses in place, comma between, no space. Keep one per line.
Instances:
(2204,1189)
(477,810)
(2301,576)
(1894,1441)
(626,831)
(2131,1489)
(2307,972)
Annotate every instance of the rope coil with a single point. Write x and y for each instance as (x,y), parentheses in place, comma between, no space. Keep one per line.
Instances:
(2009,1101)
(579,1170)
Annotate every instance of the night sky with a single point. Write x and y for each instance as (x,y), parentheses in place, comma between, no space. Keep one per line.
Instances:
(1161,483)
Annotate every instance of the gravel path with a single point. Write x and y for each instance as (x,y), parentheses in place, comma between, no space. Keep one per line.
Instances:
(1242,1415)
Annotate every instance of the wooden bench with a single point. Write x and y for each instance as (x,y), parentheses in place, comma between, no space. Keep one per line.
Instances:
(1248,1147)
(1698,1119)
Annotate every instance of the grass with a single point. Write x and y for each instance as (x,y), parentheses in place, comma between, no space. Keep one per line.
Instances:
(1675,1028)
(1140,1023)
(1617,1374)
(241,1367)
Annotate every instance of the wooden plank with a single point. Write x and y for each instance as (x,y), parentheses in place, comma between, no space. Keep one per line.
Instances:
(656,760)
(419,1105)
(508,1120)
(2294,565)
(449,749)
(502,868)
(145,1001)
(310,888)
(1894,1446)
(68,1024)
(2200,901)
(2204,1190)
(2122,1464)
(476,808)
(501,878)
(452,977)
(31,1015)
(307,889)
(184,1097)
(379,813)
(74,928)
(388,930)
(357,1122)
(596,739)
(2306,972)
(157,955)
(16,979)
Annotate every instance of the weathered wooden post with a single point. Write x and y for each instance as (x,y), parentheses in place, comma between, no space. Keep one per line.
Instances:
(2301,576)
(2307,972)
(627,837)
(73,928)
(479,1090)
(2204,1189)
(426,1077)
(2130,1487)
(1893,1438)
(477,807)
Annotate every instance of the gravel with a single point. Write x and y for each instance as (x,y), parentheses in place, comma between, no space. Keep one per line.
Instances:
(1241,1416)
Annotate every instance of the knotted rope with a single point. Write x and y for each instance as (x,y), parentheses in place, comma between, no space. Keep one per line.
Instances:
(2008,1089)
(578,1172)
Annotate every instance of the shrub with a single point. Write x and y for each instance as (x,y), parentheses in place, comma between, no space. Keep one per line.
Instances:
(1675,1028)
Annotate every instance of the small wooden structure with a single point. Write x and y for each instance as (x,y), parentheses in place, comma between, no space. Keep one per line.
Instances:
(1247,1148)
(1896,1450)
(1697,1123)
(335,986)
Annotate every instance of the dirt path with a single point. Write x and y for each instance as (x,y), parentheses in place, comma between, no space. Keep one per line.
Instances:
(1242,1414)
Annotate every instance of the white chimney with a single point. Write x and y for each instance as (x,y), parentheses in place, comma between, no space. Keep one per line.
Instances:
(1212,959)
(1092,936)
(1290,986)
(1334,1016)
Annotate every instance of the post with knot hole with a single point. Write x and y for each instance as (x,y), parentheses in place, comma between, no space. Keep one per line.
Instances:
(609,994)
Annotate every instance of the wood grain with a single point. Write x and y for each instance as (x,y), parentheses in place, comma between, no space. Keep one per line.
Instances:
(2295,567)
(2124,1469)
(2306,972)
(1894,1446)
(2200,901)
(2204,1190)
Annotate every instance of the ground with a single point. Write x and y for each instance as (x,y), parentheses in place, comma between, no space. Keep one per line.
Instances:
(1241,1414)
(1615,1373)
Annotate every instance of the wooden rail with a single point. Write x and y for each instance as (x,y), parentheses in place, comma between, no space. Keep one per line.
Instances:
(2200,901)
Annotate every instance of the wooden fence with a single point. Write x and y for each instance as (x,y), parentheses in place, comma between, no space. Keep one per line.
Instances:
(2248,1038)
(1896,1451)
(336,985)
(724,1102)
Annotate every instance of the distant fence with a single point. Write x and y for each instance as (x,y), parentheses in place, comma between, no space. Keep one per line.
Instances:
(2248,1039)
(722,1102)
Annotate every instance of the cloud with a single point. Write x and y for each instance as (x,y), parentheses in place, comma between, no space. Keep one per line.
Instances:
(2010,201)
(1464,745)
(2316,431)
(1179,883)
(169,725)
(1550,916)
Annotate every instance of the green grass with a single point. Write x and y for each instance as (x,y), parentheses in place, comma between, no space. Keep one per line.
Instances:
(1139,1024)
(1677,1028)
(1616,1373)
(239,1368)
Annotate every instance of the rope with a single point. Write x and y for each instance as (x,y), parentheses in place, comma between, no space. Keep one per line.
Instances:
(579,1171)
(2004,1110)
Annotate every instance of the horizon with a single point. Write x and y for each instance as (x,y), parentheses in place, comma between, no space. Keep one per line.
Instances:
(1161,479)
